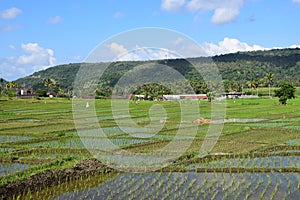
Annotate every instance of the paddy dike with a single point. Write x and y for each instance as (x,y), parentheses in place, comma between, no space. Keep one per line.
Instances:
(49,178)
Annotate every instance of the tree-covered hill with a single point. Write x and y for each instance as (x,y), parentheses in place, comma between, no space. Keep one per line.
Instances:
(63,74)
(242,66)
(237,70)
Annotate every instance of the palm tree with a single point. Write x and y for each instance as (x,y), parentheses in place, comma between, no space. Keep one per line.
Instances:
(8,85)
(49,82)
(209,97)
(259,83)
(252,84)
(269,78)
(14,84)
(234,86)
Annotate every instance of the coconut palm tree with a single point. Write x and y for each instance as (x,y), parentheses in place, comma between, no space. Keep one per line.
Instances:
(14,84)
(8,85)
(259,83)
(209,97)
(49,82)
(269,78)
(252,84)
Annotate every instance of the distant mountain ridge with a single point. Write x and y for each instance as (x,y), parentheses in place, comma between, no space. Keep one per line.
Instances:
(239,67)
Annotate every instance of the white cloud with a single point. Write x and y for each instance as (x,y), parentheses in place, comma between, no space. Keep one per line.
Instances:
(9,28)
(34,58)
(224,15)
(178,41)
(225,11)
(117,49)
(295,45)
(118,52)
(180,48)
(12,47)
(172,5)
(10,13)
(195,5)
(296,1)
(54,20)
(229,45)
(38,57)
(186,48)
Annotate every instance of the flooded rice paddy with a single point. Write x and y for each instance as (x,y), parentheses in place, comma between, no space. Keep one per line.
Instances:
(10,168)
(174,185)
(46,137)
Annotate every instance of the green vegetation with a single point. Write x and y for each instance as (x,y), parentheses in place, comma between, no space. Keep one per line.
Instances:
(239,71)
(154,90)
(8,88)
(63,74)
(286,91)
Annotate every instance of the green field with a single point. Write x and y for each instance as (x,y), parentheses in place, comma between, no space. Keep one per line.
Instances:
(256,155)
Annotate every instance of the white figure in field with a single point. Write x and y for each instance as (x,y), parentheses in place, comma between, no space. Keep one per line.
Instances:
(87,105)
(164,120)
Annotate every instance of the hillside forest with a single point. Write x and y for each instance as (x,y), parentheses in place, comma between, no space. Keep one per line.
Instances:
(239,71)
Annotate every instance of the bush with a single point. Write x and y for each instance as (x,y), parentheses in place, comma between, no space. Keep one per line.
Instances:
(41,93)
(11,94)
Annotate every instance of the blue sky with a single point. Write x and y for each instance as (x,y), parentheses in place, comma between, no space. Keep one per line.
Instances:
(38,34)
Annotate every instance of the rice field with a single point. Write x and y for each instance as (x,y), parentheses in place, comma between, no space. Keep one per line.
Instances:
(173,185)
(255,157)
